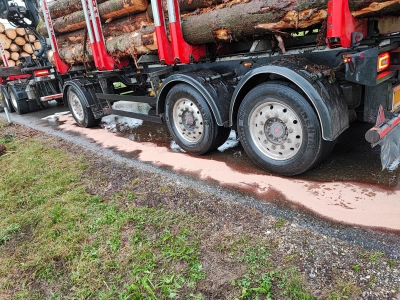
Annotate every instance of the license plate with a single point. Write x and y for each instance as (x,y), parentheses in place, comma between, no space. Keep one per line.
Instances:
(396,99)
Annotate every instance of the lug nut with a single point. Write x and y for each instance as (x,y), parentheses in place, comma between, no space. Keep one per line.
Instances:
(273,147)
(282,147)
(290,130)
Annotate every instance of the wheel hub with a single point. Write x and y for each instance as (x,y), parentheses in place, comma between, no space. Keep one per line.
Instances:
(276,130)
(188,120)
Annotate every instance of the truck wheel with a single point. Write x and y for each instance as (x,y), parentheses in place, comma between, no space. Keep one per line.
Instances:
(191,122)
(5,100)
(77,103)
(20,106)
(279,130)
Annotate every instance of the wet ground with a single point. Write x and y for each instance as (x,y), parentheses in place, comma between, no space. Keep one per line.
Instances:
(352,160)
(349,187)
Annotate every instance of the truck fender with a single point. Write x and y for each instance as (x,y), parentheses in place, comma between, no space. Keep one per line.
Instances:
(326,98)
(81,84)
(215,91)
(19,92)
(88,89)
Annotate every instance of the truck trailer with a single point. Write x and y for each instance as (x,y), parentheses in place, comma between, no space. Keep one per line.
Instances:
(289,95)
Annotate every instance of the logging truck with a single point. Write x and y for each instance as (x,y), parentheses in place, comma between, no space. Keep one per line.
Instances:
(289,86)
(27,79)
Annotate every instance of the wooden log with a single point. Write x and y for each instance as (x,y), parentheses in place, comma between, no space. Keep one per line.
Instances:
(65,7)
(11,33)
(113,28)
(2,28)
(108,10)
(20,41)
(11,63)
(30,38)
(24,54)
(187,5)
(17,62)
(239,19)
(7,54)
(37,45)
(28,48)
(132,44)
(15,47)
(20,31)
(14,56)
(5,41)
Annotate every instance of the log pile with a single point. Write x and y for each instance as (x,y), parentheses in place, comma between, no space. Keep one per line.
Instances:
(17,43)
(129,31)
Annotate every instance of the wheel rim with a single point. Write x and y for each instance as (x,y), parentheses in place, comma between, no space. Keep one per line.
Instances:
(276,130)
(188,120)
(14,101)
(76,106)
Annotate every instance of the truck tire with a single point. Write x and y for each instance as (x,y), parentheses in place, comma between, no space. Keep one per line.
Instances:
(280,131)
(20,106)
(77,103)
(5,101)
(190,121)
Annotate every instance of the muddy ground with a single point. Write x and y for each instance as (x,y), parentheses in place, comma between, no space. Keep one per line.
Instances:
(327,263)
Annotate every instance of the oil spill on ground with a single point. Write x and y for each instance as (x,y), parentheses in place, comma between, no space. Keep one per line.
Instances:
(345,202)
(352,159)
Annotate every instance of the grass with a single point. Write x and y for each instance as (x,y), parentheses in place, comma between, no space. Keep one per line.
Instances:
(57,241)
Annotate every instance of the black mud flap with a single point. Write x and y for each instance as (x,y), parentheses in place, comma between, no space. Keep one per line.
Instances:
(390,149)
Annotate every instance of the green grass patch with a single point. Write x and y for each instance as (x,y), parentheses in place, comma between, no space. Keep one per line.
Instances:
(58,242)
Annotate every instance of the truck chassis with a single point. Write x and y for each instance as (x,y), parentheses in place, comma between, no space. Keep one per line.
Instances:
(288,108)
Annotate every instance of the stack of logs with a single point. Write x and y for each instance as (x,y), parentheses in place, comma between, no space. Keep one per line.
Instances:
(17,43)
(129,30)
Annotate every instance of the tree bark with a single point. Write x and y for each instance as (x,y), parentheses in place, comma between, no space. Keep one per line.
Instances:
(239,19)
(113,28)
(65,7)
(187,5)
(107,10)
(140,42)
